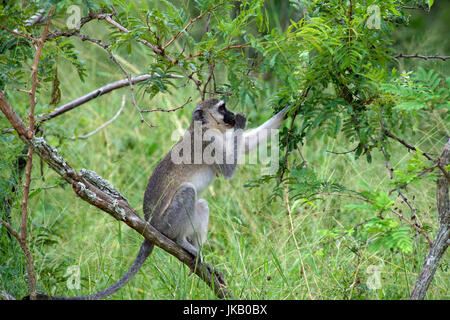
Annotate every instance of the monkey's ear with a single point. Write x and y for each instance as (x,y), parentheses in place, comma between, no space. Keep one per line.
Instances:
(198,115)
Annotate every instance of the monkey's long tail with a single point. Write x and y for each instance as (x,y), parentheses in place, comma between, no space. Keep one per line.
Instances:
(144,252)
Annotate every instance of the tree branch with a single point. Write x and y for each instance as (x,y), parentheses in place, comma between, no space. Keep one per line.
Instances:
(106,47)
(420,7)
(97,93)
(234,46)
(169,110)
(400,193)
(26,187)
(442,239)
(344,152)
(155,49)
(189,24)
(290,132)
(101,194)
(14,32)
(409,56)
(411,147)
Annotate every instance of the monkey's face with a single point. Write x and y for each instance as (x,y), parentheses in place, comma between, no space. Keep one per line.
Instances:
(214,114)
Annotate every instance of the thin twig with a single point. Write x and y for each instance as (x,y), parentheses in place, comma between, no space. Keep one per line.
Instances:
(211,73)
(424,8)
(442,238)
(413,225)
(14,32)
(411,147)
(155,49)
(421,173)
(344,152)
(103,125)
(290,132)
(234,46)
(402,217)
(409,56)
(13,232)
(189,24)
(71,32)
(106,47)
(169,110)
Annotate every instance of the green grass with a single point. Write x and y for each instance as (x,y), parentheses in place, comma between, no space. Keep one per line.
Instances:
(263,252)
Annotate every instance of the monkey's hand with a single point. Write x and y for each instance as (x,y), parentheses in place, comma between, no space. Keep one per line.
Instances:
(240,121)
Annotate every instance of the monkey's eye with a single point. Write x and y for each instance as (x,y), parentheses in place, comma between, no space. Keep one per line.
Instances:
(221,109)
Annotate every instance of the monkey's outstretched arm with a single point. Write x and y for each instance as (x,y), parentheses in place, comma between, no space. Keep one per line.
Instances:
(252,138)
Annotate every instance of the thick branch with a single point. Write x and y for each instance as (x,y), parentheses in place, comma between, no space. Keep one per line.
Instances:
(442,239)
(96,93)
(101,194)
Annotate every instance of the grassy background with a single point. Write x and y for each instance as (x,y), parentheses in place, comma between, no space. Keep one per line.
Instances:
(263,252)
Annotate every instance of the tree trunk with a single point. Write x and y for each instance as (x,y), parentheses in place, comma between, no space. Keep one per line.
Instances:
(442,240)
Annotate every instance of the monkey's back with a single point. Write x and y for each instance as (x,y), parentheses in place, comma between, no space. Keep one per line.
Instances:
(165,180)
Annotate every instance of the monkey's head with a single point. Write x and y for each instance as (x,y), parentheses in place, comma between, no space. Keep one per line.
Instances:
(213,114)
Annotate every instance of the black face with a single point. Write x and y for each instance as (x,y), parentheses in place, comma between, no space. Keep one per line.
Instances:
(228,116)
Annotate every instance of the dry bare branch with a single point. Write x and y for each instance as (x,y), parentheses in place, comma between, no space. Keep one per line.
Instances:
(97,93)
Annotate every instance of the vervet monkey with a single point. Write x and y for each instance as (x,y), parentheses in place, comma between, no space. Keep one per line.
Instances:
(171,202)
